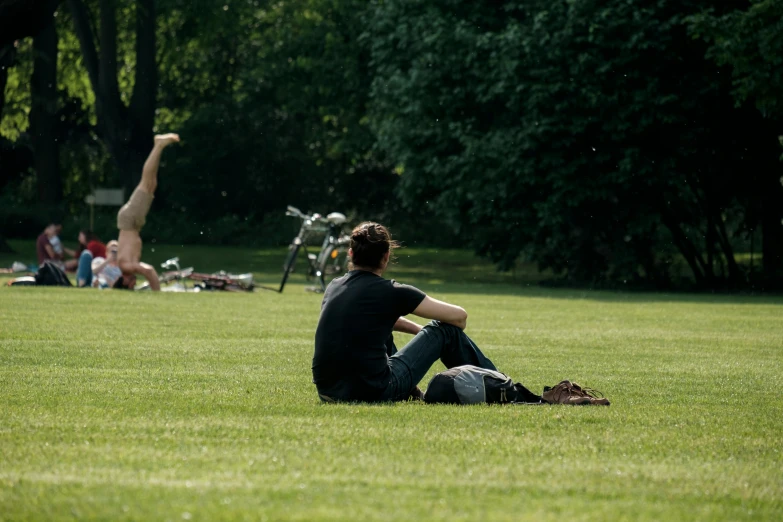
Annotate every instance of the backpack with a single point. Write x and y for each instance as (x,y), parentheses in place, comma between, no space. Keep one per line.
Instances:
(50,274)
(473,385)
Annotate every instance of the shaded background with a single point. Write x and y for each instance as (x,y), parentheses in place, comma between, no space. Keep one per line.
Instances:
(608,142)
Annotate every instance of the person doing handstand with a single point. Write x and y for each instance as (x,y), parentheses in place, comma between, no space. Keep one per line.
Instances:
(355,357)
(132,216)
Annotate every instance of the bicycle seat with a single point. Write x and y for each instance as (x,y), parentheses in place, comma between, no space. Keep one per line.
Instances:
(337,218)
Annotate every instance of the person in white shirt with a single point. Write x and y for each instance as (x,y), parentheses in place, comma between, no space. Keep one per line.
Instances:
(106,271)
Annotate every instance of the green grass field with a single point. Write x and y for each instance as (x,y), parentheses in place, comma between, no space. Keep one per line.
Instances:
(139,406)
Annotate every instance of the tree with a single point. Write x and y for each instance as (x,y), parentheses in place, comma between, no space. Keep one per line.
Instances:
(315,58)
(126,130)
(7,57)
(591,137)
(43,114)
(275,98)
(20,19)
(750,42)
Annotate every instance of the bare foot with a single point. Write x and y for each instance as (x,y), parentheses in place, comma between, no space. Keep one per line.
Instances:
(164,140)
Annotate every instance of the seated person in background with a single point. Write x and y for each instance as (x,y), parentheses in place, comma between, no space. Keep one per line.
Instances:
(47,245)
(62,251)
(106,271)
(355,358)
(132,216)
(87,242)
(90,248)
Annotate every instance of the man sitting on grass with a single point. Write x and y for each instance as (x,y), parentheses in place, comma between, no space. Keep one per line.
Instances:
(131,218)
(355,357)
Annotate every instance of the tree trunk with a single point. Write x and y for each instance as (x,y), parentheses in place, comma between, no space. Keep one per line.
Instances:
(728,252)
(22,18)
(130,163)
(43,116)
(7,53)
(4,246)
(685,246)
(145,90)
(7,56)
(772,229)
(126,131)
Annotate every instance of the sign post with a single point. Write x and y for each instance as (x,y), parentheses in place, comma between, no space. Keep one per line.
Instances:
(90,200)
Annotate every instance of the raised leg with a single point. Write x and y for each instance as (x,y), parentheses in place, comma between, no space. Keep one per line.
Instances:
(149,174)
(84,271)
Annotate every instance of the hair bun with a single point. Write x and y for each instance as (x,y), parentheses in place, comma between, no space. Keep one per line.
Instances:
(359,233)
(370,242)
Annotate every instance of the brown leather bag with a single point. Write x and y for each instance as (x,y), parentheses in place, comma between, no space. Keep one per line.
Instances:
(567,392)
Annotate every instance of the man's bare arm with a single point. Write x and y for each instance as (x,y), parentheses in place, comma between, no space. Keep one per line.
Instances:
(440,311)
(150,274)
(142,269)
(406,326)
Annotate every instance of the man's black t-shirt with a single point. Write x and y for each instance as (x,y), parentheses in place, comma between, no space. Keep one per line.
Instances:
(357,316)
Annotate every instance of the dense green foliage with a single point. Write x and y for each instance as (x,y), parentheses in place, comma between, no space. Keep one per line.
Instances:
(200,407)
(592,137)
(750,42)
(605,141)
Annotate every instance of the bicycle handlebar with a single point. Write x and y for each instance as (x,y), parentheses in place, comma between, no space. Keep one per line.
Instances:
(315,217)
(174,261)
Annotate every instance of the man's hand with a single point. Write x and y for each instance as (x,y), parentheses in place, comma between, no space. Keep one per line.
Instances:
(164,140)
(406,326)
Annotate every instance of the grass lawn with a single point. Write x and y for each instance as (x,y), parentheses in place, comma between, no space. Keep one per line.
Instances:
(139,406)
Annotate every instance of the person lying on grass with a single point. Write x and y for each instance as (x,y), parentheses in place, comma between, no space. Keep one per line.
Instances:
(355,356)
(132,216)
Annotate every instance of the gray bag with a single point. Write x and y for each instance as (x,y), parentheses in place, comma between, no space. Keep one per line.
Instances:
(473,385)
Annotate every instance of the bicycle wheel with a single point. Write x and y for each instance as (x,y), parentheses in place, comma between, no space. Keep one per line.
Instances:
(333,263)
(290,261)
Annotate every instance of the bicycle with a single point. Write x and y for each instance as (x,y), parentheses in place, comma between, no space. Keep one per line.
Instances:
(177,280)
(331,259)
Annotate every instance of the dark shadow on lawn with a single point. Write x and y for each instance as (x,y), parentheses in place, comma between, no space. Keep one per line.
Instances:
(433,270)
(536,290)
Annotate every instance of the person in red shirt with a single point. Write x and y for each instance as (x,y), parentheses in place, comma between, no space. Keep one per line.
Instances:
(89,241)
